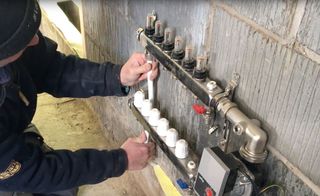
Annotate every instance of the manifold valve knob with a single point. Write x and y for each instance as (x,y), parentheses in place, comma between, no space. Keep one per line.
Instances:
(181,150)
(139,96)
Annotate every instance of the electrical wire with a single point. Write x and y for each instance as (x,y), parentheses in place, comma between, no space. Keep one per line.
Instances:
(272,186)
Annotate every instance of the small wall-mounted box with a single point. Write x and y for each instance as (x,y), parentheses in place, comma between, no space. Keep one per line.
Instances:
(217,173)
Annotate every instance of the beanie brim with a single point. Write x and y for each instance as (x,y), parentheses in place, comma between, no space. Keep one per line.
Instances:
(24,33)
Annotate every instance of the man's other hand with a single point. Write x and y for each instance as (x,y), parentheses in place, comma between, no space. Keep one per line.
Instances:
(138,152)
(136,69)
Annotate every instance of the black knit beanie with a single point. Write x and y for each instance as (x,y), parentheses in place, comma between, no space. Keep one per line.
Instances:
(19,22)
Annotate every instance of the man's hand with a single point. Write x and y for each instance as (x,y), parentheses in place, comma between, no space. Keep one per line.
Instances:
(138,152)
(136,69)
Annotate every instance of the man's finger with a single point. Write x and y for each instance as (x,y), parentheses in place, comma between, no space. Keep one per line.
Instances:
(143,77)
(151,145)
(151,149)
(143,68)
(154,74)
(155,65)
(142,138)
(139,58)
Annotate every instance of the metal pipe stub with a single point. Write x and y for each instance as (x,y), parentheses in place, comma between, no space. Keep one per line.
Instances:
(254,149)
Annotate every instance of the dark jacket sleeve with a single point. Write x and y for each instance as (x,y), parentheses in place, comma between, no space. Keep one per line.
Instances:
(71,76)
(40,172)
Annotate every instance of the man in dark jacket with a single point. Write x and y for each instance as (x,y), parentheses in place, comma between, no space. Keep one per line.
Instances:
(30,64)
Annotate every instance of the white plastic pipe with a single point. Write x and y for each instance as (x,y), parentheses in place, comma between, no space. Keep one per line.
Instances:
(150,87)
(150,82)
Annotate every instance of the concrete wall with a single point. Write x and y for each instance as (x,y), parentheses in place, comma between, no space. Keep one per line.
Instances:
(273,45)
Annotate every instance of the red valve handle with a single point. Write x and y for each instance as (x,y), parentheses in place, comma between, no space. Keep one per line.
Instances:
(209,191)
(199,109)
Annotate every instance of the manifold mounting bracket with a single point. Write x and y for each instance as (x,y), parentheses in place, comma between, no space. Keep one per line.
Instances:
(232,84)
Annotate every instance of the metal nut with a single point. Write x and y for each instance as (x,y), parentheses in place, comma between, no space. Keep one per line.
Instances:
(191,165)
(239,128)
(211,85)
(243,180)
(222,143)
(207,117)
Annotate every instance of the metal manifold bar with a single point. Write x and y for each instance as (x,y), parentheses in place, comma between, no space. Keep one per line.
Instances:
(198,88)
(181,164)
(254,148)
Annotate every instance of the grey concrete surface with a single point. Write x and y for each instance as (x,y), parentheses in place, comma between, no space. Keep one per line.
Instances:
(309,31)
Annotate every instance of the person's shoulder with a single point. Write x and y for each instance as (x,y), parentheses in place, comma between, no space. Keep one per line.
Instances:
(40,52)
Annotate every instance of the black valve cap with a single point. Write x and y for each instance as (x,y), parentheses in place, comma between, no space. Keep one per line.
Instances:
(168,46)
(149,32)
(200,74)
(189,65)
(158,38)
(178,55)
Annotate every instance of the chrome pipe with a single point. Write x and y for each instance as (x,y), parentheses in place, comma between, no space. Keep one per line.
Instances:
(254,148)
